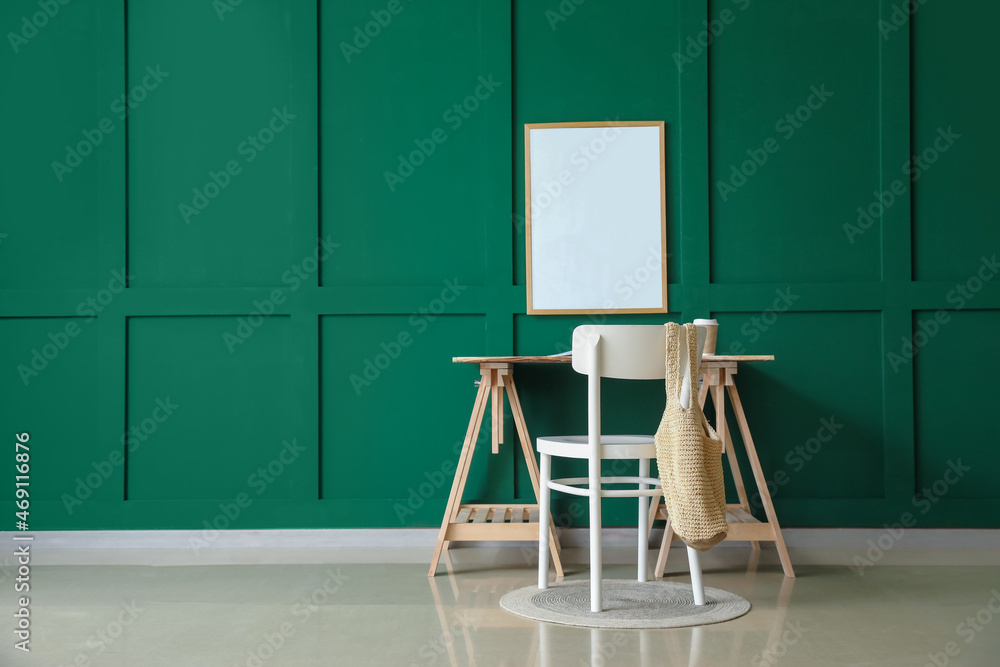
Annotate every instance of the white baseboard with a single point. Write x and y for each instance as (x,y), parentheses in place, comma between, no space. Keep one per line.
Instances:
(233,539)
(426,537)
(813,546)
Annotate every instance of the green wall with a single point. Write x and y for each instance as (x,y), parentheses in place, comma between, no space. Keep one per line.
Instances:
(312,221)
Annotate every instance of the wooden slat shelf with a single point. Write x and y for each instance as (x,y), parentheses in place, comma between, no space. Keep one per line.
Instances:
(494,522)
(743,527)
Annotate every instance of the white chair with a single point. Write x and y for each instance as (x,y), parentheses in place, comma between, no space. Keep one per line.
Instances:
(622,352)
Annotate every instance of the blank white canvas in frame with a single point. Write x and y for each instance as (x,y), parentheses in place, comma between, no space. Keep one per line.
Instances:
(596,218)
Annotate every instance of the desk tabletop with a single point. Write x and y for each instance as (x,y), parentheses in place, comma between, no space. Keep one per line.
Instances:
(707,358)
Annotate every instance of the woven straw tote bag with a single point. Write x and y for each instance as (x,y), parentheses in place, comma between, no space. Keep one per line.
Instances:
(689,454)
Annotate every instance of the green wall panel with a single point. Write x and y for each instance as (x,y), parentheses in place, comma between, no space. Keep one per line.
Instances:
(952,348)
(394,408)
(222,141)
(954,211)
(794,142)
(772,261)
(561,75)
(816,411)
(60,141)
(207,403)
(403,156)
(49,388)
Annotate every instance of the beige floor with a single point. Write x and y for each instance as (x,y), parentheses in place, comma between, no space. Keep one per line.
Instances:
(338,612)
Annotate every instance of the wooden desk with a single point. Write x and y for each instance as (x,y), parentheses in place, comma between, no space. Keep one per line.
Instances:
(519,522)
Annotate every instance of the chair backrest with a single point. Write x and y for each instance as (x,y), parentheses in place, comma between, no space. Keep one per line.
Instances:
(625,351)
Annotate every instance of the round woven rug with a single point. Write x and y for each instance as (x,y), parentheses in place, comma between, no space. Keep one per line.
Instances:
(627,604)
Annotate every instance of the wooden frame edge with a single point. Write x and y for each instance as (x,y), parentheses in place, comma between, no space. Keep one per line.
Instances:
(661,126)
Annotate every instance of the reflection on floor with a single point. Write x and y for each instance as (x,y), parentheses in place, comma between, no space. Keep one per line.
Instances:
(654,647)
(333,609)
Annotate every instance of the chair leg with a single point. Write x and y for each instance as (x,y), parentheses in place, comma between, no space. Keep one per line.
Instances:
(696,586)
(643,520)
(595,544)
(543,521)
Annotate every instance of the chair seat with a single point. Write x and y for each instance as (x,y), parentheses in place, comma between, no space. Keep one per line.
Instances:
(612,446)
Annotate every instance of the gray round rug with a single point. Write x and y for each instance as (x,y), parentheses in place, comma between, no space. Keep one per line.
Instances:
(627,604)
